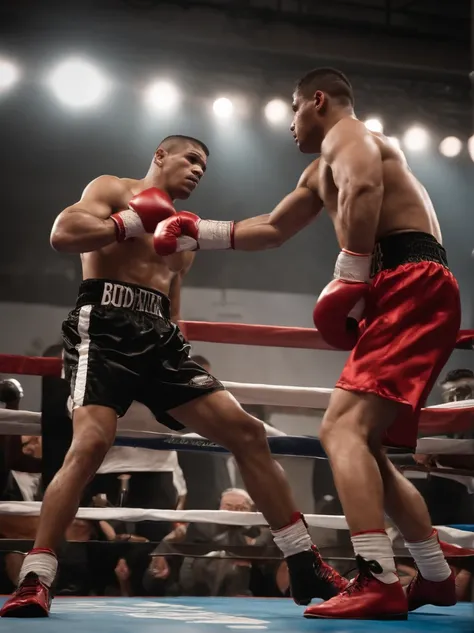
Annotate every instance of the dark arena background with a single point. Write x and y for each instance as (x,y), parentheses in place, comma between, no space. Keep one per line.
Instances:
(167,534)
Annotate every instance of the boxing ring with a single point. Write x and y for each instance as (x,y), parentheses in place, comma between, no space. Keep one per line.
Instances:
(186,614)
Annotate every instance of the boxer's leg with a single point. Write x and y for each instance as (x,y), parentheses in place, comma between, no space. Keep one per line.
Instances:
(220,418)
(94,433)
(351,423)
(403,503)
(407,509)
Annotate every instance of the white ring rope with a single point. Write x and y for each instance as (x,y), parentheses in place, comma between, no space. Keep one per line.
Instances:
(219,517)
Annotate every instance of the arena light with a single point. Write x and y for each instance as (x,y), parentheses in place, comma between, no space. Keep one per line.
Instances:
(276,111)
(374,124)
(395,141)
(223,108)
(162,95)
(9,74)
(470,147)
(77,83)
(416,139)
(450,147)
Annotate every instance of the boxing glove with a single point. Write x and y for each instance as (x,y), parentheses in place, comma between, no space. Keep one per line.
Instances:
(341,304)
(186,231)
(145,210)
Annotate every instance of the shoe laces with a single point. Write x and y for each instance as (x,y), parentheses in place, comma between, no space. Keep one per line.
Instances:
(366,567)
(28,587)
(329,574)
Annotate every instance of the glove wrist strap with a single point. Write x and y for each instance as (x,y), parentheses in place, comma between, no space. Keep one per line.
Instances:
(127,224)
(353,267)
(215,235)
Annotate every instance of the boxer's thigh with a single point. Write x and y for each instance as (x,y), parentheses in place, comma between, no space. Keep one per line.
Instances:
(365,413)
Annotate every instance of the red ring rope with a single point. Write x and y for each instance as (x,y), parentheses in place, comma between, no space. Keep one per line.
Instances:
(433,421)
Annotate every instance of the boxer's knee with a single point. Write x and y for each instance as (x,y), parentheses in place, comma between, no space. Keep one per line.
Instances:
(340,428)
(248,438)
(360,416)
(94,434)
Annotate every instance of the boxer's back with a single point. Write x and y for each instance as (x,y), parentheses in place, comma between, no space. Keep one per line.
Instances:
(134,260)
(406,204)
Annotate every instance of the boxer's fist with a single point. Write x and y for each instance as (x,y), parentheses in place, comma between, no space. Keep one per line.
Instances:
(341,304)
(145,210)
(186,231)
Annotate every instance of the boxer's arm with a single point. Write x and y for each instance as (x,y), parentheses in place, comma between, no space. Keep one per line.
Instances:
(356,164)
(86,226)
(289,217)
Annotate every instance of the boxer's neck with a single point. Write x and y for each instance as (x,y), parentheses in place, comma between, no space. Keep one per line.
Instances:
(155,178)
(336,115)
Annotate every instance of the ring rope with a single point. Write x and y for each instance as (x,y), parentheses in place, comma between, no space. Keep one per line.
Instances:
(464,537)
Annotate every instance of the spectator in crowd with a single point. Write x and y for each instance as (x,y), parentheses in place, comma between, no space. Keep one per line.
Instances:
(211,575)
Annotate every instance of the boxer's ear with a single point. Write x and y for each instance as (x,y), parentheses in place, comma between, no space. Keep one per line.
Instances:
(319,100)
(159,157)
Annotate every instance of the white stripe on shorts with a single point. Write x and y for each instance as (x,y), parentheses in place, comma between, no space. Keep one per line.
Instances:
(83,351)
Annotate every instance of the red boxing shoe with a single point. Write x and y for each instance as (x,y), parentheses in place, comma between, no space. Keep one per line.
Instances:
(311,577)
(453,553)
(441,594)
(32,599)
(365,598)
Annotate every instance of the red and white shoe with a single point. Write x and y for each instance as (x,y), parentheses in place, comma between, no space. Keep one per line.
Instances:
(311,577)
(365,598)
(441,594)
(32,599)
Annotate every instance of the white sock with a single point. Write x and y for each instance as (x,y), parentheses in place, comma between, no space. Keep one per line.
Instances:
(377,546)
(43,563)
(293,538)
(429,558)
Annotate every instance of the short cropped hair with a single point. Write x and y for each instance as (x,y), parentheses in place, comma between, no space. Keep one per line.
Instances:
(457,374)
(329,80)
(170,143)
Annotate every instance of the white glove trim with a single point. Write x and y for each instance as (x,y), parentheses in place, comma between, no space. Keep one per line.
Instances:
(214,235)
(353,267)
(132,224)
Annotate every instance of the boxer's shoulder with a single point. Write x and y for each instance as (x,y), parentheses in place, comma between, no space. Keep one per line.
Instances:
(310,177)
(111,189)
(345,132)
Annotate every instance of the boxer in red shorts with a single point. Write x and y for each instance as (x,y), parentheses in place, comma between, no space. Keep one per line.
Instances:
(393,302)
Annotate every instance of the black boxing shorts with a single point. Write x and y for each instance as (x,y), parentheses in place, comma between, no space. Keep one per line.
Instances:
(120,345)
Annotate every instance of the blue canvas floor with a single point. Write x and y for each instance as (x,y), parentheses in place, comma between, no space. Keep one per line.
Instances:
(220,615)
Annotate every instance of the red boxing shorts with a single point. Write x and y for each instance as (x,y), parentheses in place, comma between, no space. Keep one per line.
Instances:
(411,323)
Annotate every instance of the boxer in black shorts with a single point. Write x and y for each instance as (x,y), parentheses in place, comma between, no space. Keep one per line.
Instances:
(121,344)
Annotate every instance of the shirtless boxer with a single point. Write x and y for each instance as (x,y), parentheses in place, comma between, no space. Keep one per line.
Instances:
(120,345)
(411,306)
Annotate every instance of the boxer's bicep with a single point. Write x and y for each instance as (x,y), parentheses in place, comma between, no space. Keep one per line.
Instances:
(85,225)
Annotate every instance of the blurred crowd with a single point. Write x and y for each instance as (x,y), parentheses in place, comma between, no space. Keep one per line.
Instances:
(158,558)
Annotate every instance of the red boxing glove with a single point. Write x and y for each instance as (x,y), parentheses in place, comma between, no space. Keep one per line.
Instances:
(341,304)
(145,210)
(186,231)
